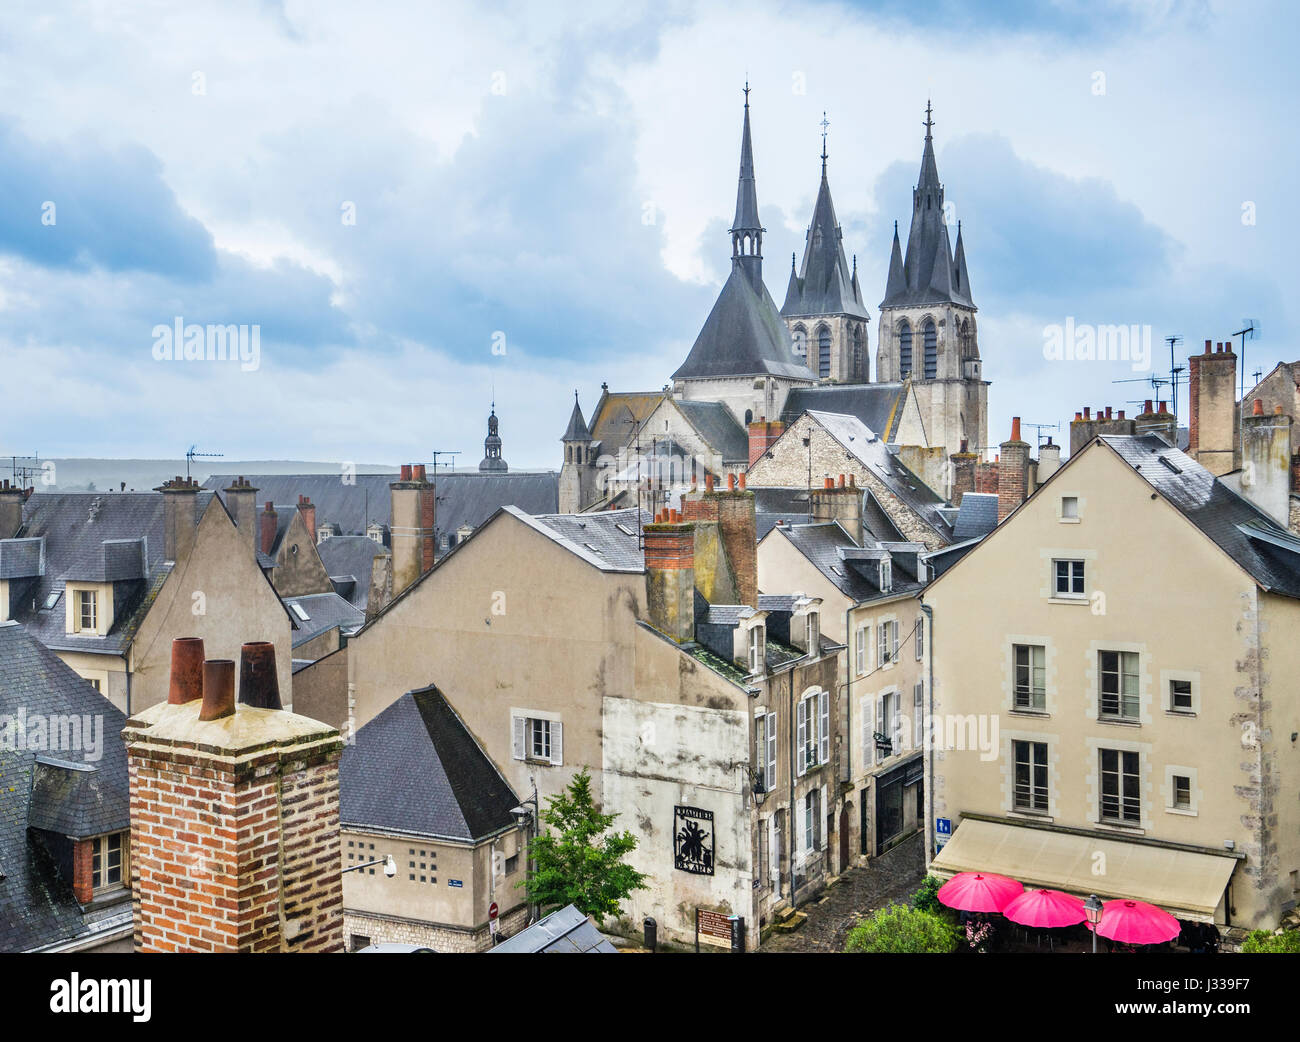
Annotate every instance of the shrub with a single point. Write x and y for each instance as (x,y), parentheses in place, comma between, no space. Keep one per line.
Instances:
(899,929)
(926,897)
(1265,942)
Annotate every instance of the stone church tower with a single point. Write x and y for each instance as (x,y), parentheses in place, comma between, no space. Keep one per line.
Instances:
(492,461)
(823,302)
(578,474)
(928,333)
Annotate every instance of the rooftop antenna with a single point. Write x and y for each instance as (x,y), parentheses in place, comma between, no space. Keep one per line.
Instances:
(1173,341)
(24,473)
(636,438)
(1040,427)
(194,454)
(443,452)
(1249,331)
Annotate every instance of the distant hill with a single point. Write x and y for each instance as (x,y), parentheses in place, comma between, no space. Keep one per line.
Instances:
(114,475)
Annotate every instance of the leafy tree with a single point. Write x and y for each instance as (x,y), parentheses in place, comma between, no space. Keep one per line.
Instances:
(1267,943)
(580,864)
(899,929)
(926,897)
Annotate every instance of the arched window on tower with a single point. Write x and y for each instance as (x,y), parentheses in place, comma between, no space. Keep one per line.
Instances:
(967,340)
(859,371)
(904,350)
(749,417)
(824,352)
(931,340)
(799,342)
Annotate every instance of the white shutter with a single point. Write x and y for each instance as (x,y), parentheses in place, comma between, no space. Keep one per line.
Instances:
(557,742)
(867,729)
(801,732)
(894,627)
(824,727)
(884,723)
(862,649)
(918,714)
(518,723)
(771,752)
(882,644)
(920,637)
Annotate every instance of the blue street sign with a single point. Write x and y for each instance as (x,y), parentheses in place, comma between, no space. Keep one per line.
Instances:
(943,826)
(454,882)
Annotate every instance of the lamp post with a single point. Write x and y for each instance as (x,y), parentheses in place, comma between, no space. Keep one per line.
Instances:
(1092,909)
(528,819)
(390,866)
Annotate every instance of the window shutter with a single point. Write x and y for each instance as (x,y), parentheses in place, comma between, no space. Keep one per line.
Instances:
(918,713)
(771,752)
(557,742)
(824,727)
(882,646)
(801,731)
(884,723)
(920,637)
(518,723)
(862,649)
(894,627)
(867,730)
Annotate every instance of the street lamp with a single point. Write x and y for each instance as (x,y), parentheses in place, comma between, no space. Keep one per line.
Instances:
(1092,909)
(390,866)
(527,818)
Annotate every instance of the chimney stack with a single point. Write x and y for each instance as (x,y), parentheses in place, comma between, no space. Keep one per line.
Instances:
(963,473)
(839,502)
(180,500)
(733,513)
(241,502)
(1013,472)
(270,525)
(414,510)
(1158,420)
(255,863)
(308,511)
(762,435)
(12,499)
(1266,462)
(1212,435)
(670,578)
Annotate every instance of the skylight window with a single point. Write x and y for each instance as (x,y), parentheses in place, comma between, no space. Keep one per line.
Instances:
(593,548)
(300,611)
(624,529)
(51,601)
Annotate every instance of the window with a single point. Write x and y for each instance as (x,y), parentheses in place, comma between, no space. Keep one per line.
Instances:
(930,340)
(799,342)
(887,642)
(360,941)
(812,818)
(904,351)
(864,635)
(824,352)
(1069,508)
(512,864)
(813,731)
(814,625)
(1182,792)
(920,637)
(769,768)
(1030,776)
(765,752)
(86,609)
(1120,794)
(1069,578)
(107,862)
(757,648)
(1119,685)
(538,739)
(1031,692)
(889,725)
(1180,696)
(918,714)
(95,683)
(886,575)
(300,611)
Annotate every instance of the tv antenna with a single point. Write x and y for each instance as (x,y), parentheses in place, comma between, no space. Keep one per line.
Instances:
(194,454)
(1040,427)
(443,452)
(25,472)
(1249,331)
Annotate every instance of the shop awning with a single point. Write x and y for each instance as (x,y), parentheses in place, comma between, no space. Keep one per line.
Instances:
(1184,883)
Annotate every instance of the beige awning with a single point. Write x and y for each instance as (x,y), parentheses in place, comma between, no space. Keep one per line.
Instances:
(1185,884)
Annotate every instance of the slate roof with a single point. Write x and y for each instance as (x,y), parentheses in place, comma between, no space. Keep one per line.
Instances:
(98,537)
(853,570)
(617,414)
(779,505)
(577,428)
(719,429)
(464,498)
(36,904)
(876,405)
(324,611)
(416,769)
(977,516)
(824,285)
(351,556)
(607,539)
(1216,510)
(22,558)
(565,931)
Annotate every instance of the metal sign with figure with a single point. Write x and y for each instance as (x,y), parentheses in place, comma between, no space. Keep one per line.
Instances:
(693,840)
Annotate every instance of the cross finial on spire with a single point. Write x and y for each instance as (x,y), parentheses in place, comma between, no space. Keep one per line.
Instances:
(825,123)
(746,92)
(929,123)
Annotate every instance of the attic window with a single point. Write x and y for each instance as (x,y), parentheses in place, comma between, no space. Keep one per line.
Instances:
(593,548)
(886,575)
(51,601)
(300,611)
(1170,464)
(624,529)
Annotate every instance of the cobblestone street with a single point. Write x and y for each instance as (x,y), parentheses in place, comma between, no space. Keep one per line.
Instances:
(891,877)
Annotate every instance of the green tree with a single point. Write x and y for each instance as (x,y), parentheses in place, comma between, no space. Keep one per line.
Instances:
(580,864)
(899,929)
(1264,942)
(926,898)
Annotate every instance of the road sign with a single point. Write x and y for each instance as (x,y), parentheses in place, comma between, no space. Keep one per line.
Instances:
(493,911)
(943,826)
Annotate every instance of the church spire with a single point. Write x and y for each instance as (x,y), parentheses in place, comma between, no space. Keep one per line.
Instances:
(747,229)
(492,460)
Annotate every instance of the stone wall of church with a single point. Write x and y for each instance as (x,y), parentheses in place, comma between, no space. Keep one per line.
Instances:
(846,364)
(749,398)
(949,320)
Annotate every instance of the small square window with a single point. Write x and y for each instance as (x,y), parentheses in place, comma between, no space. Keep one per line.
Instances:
(1070,508)
(1069,579)
(1180,695)
(1182,791)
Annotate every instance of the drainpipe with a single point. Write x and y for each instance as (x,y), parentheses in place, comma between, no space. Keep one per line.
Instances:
(127,663)
(849,652)
(927,736)
(790,822)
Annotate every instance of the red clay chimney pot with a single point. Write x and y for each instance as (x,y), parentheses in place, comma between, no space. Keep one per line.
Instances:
(258,685)
(218,689)
(186,683)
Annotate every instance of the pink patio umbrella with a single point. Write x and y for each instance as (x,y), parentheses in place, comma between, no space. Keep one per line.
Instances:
(1045,909)
(978,892)
(1136,922)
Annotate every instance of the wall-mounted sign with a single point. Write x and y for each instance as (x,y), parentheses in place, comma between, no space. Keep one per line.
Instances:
(712,928)
(693,840)
(455,882)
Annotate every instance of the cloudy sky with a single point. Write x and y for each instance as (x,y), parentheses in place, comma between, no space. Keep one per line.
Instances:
(421,205)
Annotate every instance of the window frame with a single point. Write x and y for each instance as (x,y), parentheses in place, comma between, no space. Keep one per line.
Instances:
(1122,699)
(1074,564)
(87,598)
(1029,802)
(1122,802)
(1032,691)
(102,850)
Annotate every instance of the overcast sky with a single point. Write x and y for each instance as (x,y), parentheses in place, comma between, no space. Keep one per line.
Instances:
(389,190)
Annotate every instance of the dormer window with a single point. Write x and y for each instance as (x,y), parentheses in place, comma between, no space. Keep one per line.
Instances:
(886,575)
(87,609)
(757,649)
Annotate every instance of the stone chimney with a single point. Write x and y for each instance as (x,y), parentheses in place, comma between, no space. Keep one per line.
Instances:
(1157,419)
(414,507)
(270,525)
(762,434)
(1013,471)
(963,473)
(180,499)
(234,826)
(12,499)
(840,502)
(1212,391)
(241,502)
(308,511)
(1266,462)
(1049,461)
(670,575)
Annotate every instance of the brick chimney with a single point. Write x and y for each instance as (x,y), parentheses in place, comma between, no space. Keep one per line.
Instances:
(241,502)
(234,826)
(180,500)
(1013,471)
(414,508)
(670,576)
(839,502)
(1212,391)
(762,433)
(1266,462)
(308,511)
(1157,419)
(12,499)
(270,525)
(963,472)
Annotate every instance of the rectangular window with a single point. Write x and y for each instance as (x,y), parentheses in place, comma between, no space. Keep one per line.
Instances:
(1180,696)
(812,819)
(769,769)
(864,635)
(86,609)
(812,730)
(918,714)
(1070,507)
(1182,792)
(813,632)
(106,862)
(888,724)
(1119,685)
(1069,578)
(537,740)
(1031,776)
(920,637)
(886,575)
(1031,690)
(1121,799)
(887,644)
(757,649)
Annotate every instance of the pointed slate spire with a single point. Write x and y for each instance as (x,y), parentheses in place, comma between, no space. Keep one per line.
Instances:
(793,291)
(747,229)
(577,429)
(857,288)
(929,177)
(962,279)
(896,284)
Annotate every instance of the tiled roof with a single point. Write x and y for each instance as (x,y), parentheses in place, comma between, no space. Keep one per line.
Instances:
(415,769)
(352,555)
(977,515)
(607,539)
(36,904)
(875,405)
(718,427)
(22,558)
(853,570)
(324,611)
(617,415)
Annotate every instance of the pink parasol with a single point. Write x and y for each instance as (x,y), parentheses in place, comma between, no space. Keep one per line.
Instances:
(1136,922)
(1045,908)
(978,892)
